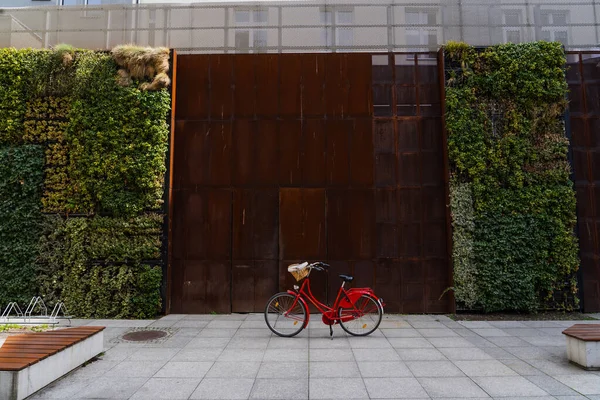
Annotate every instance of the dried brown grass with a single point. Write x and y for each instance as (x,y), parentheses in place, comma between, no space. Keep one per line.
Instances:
(142,63)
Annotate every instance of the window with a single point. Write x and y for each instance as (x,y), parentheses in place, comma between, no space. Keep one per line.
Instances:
(555,26)
(343,19)
(421,29)
(511,20)
(250,33)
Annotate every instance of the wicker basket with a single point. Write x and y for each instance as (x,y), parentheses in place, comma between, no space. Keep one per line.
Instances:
(299,271)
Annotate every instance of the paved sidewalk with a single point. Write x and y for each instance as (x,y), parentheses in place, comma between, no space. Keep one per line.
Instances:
(410,356)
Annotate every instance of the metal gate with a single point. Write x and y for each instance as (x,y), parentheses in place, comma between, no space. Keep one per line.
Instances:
(289,157)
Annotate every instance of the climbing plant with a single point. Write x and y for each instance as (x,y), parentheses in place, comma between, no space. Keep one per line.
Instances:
(83,138)
(512,202)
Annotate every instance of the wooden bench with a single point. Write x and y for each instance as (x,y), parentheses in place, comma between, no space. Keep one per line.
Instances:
(31,361)
(583,345)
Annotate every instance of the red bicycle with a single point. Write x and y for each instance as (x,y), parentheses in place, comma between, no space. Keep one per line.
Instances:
(357,310)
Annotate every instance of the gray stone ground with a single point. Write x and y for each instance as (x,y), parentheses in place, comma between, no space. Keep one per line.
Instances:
(409,357)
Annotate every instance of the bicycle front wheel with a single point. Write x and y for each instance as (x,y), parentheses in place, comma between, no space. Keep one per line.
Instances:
(364,318)
(284,315)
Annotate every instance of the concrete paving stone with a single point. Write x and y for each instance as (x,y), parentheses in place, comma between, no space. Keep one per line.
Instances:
(505,386)
(553,331)
(442,332)
(186,332)
(248,343)
(218,333)
(285,369)
(223,388)
(118,353)
(199,317)
(111,388)
(263,332)
(498,353)
(190,324)
(547,341)
(255,317)
(368,342)
(551,385)
(153,354)
(394,388)
(528,353)
(197,354)
(241,355)
(540,324)
(465,354)
(430,369)
(135,369)
(593,397)
(330,355)
(337,388)
(166,388)
(175,317)
(234,369)
(427,324)
(577,397)
(230,317)
(452,324)
(280,389)
(184,369)
(507,324)
(334,369)
(253,324)
(177,342)
(224,324)
(64,388)
(489,332)
(588,384)
(293,355)
(522,332)
(323,343)
(420,355)
(508,341)
(525,398)
(375,355)
(410,343)
(121,323)
(475,324)
(451,387)
(400,333)
(521,367)
(384,369)
(295,342)
(466,333)
(450,342)
(420,317)
(484,368)
(161,323)
(390,324)
(93,369)
(207,342)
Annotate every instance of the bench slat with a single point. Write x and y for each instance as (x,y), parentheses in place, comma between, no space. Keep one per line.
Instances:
(584,332)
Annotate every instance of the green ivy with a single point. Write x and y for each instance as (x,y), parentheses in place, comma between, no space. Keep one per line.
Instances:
(21,177)
(512,203)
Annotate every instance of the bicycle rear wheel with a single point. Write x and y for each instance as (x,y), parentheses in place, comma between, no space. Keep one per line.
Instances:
(283,317)
(364,318)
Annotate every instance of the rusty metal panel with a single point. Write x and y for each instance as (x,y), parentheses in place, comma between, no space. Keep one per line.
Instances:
(267,85)
(193,95)
(290,153)
(244,138)
(302,232)
(221,86)
(350,238)
(338,154)
(336,85)
(207,157)
(266,151)
(360,103)
(253,283)
(290,86)
(361,157)
(313,162)
(244,82)
(313,84)
(206,287)
(255,224)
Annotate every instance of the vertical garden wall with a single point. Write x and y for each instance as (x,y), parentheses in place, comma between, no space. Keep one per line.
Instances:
(512,201)
(83,138)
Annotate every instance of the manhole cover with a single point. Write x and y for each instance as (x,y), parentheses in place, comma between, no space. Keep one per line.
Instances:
(144,336)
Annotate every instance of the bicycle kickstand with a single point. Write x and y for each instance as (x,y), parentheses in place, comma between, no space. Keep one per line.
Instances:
(331,331)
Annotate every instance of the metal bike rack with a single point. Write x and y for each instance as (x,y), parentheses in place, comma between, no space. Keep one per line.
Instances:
(13,314)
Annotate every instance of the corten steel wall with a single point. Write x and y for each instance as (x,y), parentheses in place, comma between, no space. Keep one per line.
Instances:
(583,76)
(280,158)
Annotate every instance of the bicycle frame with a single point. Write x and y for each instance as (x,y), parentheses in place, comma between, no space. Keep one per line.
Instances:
(345,298)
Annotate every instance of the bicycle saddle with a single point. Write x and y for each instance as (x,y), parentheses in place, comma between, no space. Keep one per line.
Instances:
(347,278)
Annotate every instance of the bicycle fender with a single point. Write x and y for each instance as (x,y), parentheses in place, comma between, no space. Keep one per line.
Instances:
(354,294)
(305,306)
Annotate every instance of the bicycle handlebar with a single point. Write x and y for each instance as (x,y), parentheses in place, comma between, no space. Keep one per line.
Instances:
(320,266)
